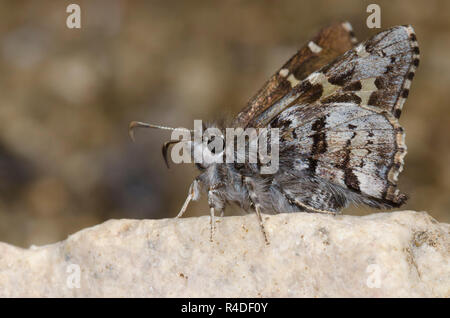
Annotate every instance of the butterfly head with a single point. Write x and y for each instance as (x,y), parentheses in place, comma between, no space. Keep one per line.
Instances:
(206,145)
(209,148)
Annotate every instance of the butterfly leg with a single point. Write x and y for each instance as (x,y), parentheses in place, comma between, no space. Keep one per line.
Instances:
(261,223)
(215,204)
(254,200)
(212,222)
(194,194)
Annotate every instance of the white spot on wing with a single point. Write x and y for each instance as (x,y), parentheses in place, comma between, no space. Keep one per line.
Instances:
(368,84)
(317,78)
(367,88)
(361,51)
(407,84)
(314,47)
(347,26)
(293,80)
(320,78)
(284,72)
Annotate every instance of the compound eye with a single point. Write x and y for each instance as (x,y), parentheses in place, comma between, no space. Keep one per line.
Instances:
(215,144)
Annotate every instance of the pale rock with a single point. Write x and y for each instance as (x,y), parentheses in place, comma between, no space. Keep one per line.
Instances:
(398,254)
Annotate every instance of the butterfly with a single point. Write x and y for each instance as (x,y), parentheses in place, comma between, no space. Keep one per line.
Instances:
(336,104)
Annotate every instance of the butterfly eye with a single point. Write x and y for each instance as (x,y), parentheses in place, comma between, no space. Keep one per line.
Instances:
(215,144)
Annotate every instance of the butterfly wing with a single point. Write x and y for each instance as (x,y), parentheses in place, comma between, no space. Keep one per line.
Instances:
(340,152)
(339,127)
(328,44)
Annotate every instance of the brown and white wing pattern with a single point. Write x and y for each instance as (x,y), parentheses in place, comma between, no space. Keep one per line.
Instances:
(344,151)
(341,123)
(330,43)
(377,72)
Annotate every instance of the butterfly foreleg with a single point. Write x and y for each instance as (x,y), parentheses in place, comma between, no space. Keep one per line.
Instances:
(193,194)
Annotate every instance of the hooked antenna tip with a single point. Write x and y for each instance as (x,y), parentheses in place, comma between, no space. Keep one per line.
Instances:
(136,124)
(165,148)
(131,127)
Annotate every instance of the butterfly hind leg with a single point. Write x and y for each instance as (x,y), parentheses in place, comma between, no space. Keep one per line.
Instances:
(216,203)
(257,206)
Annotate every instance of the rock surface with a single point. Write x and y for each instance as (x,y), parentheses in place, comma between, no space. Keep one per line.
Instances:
(399,254)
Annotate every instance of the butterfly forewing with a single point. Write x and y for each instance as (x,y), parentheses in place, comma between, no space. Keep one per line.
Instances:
(377,72)
(328,44)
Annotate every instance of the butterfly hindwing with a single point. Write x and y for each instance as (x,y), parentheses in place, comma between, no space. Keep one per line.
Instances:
(328,44)
(343,149)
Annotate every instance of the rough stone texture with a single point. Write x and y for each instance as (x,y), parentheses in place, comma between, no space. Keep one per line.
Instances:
(310,255)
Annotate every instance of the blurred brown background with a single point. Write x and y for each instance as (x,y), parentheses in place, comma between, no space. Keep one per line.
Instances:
(67,96)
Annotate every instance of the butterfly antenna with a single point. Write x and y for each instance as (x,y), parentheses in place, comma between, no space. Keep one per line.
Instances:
(137,124)
(165,148)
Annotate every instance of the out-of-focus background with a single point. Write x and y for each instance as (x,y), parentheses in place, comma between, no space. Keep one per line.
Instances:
(67,96)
